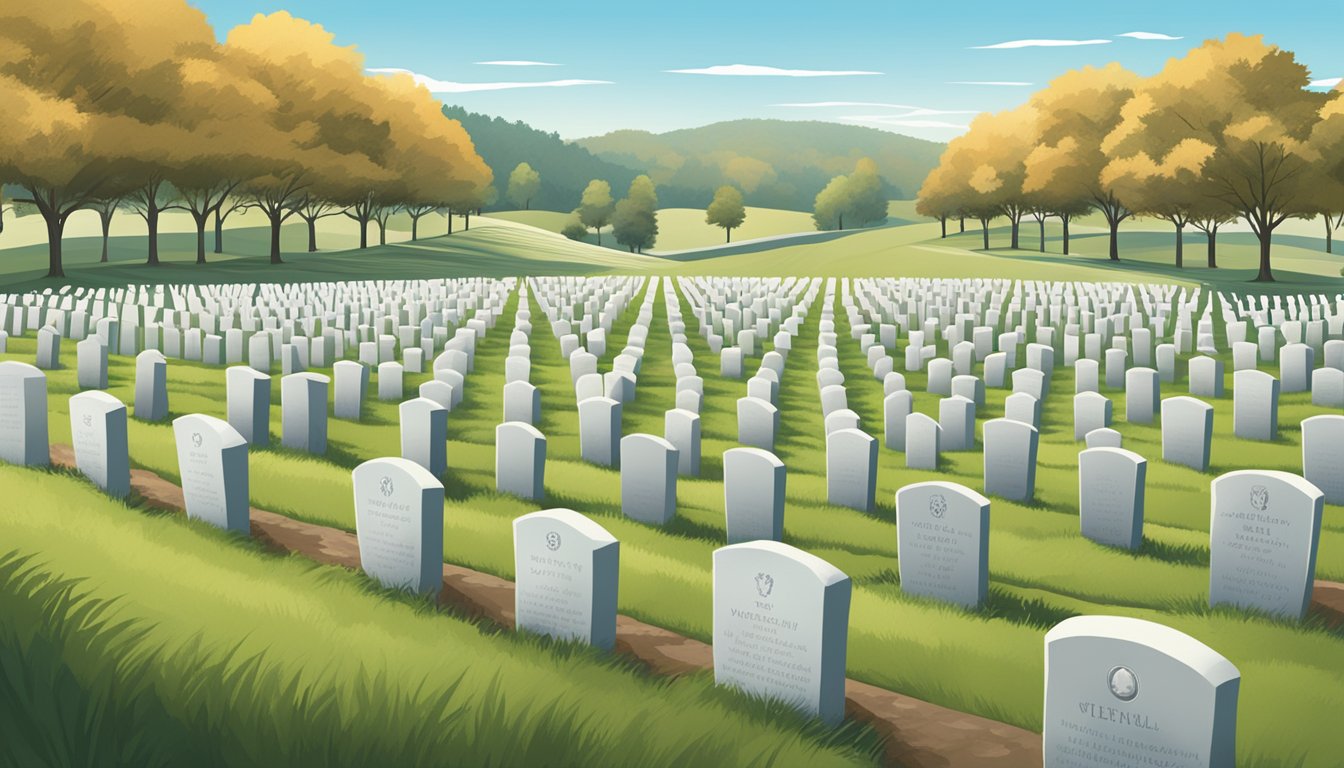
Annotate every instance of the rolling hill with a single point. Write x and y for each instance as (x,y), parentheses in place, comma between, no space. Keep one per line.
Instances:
(777,163)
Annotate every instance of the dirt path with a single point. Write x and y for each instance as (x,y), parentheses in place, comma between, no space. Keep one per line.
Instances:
(916,734)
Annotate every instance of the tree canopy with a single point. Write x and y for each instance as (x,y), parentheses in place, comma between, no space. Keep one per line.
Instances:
(108,100)
(726,210)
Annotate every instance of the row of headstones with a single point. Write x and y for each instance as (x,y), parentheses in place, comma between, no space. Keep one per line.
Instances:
(781,615)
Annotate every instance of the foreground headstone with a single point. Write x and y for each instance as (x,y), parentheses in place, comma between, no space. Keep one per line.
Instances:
(1111,483)
(1262,541)
(399,524)
(520,460)
(1129,692)
(303,412)
(248,395)
(753,495)
(781,621)
(151,386)
(648,479)
(566,570)
(942,542)
(212,462)
(23,415)
(424,434)
(1323,455)
(757,423)
(98,431)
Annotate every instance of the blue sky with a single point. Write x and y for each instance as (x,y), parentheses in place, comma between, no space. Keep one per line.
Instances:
(614,64)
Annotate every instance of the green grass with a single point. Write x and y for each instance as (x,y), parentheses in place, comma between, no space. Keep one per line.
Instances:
(986,662)
(136,638)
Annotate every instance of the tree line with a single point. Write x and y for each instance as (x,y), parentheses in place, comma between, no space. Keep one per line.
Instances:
(1228,132)
(136,106)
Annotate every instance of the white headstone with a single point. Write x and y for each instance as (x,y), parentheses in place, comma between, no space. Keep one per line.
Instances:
(1010,459)
(399,524)
(781,621)
(1111,484)
(942,541)
(212,462)
(1128,692)
(520,459)
(151,386)
(851,469)
(753,495)
(23,415)
(98,431)
(1262,541)
(648,479)
(303,412)
(1323,455)
(600,431)
(424,434)
(566,570)
(1187,432)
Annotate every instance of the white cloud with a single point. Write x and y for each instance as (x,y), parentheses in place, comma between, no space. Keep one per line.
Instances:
(518,63)
(447,86)
(1040,44)
(1149,36)
(900,121)
(911,110)
(1329,82)
(1006,83)
(754,70)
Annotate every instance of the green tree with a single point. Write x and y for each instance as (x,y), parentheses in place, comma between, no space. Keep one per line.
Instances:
(574,228)
(858,198)
(524,184)
(726,210)
(635,221)
(596,206)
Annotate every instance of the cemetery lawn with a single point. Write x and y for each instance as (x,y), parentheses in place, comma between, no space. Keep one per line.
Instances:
(135,638)
(1041,570)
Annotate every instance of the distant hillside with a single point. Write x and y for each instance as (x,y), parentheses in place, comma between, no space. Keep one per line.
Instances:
(565,168)
(776,163)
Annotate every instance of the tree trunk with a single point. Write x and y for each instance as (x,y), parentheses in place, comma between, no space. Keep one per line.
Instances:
(55,230)
(942,220)
(382,233)
(276,221)
(1180,246)
(1212,237)
(219,232)
(107,227)
(527,204)
(200,235)
(1015,222)
(1115,239)
(1329,236)
(415,228)
(312,235)
(729,230)
(1041,222)
(962,224)
(152,220)
(984,230)
(1065,219)
(450,221)
(466,226)
(363,232)
(1265,275)
(840,221)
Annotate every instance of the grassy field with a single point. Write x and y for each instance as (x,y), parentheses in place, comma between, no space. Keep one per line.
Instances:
(254,658)
(987,662)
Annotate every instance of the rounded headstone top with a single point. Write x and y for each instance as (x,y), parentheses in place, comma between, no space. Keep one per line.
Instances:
(1210,664)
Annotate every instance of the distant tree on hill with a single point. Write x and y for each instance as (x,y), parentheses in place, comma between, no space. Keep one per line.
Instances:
(524,184)
(596,206)
(574,228)
(726,210)
(635,221)
(858,198)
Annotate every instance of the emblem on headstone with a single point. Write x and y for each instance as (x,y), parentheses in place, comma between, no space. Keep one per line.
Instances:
(88,420)
(937,505)
(552,541)
(765,584)
(1123,683)
(1259,497)
(385,485)
(196,439)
